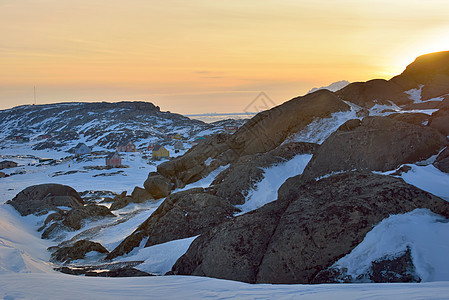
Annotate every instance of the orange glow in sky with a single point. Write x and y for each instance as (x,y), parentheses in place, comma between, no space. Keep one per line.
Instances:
(206,56)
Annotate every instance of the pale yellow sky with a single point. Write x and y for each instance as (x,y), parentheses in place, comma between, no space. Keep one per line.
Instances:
(206,56)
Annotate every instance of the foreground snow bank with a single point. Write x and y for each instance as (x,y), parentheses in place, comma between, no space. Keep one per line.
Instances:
(425,233)
(21,249)
(159,259)
(57,286)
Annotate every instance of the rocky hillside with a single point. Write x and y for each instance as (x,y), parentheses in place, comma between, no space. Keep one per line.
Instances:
(299,187)
(62,125)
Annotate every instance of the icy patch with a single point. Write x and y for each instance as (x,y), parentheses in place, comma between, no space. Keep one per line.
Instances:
(429,179)
(159,259)
(321,128)
(208,161)
(204,182)
(386,110)
(426,233)
(415,94)
(266,190)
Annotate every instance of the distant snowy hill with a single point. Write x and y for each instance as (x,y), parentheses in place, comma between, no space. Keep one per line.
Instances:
(106,125)
(333,87)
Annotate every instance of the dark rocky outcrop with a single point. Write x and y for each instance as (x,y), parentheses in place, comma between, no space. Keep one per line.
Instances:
(398,267)
(234,183)
(76,251)
(39,199)
(442,161)
(379,143)
(121,269)
(268,129)
(72,219)
(264,132)
(157,185)
(430,70)
(193,165)
(377,91)
(440,120)
(305,231)
(181,215)
(138,195)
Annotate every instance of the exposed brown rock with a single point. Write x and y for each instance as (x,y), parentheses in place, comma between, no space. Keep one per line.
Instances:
(76,251)
(305,231)
(181,215)
(377,91)
(379,143)
(234,183)
(45,197)
(157,186)
(442,161)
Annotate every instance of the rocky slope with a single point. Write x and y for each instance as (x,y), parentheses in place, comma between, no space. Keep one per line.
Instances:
(320,214)
(100,124)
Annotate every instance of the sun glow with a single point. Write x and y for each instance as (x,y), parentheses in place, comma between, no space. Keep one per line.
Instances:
(435,42)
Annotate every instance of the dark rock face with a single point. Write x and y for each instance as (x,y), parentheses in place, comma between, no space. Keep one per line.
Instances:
(379,143)
(442,161)
(440,119)
(138,195)
(393,268)
(72,219)
(157,186)
(305,231)
(192,166)
(264,132)
(121,269)
(42,198)
(377,91)
(235,182)
(181,215)
(268,129)
(430,70)
(76,251)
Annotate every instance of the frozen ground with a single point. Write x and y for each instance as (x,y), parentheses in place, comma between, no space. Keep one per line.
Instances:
(26,273)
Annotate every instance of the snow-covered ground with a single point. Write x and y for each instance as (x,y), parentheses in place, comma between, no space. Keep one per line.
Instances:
(61,286)
(267,189)
(26,273)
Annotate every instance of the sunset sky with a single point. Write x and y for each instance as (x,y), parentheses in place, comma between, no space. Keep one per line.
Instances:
(206,56)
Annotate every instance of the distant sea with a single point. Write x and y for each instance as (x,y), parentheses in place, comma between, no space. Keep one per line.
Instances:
(214,117)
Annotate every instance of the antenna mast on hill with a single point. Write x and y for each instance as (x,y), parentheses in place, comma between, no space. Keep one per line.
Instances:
(34,95)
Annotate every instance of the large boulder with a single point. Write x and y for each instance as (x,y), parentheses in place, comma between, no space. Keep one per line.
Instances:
(264,132)
(440,121)
(76,251)
(157,186)
(195,164)
(305,231)
(429,70)
(240,177)
(39,199)
(395,267)
(67,220)
(181,215)
(378,144)
(138,195)
(268,129)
